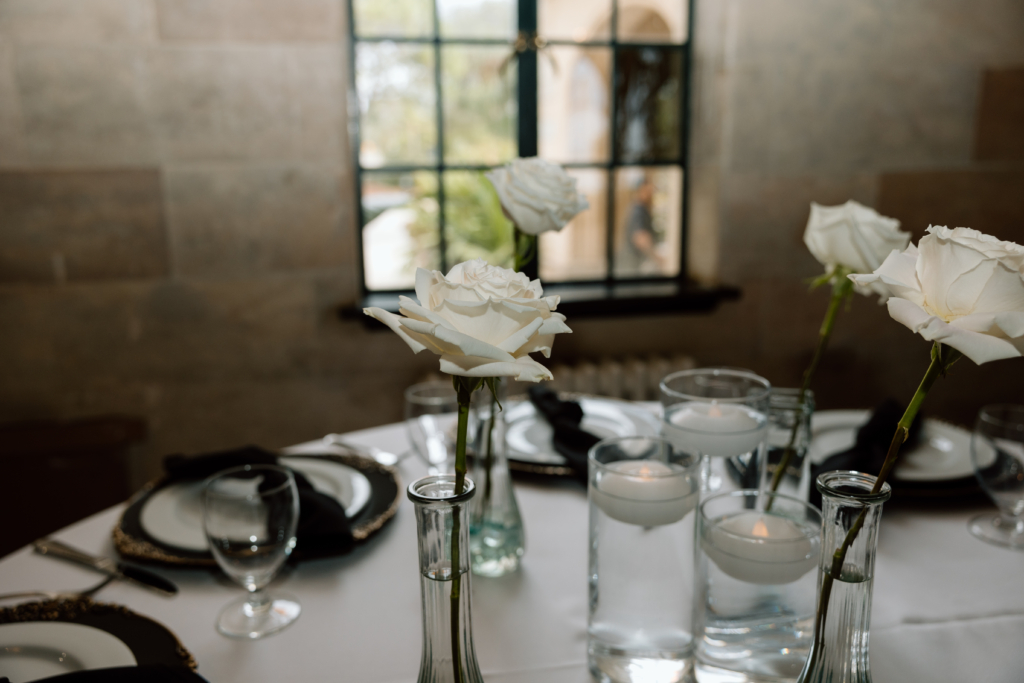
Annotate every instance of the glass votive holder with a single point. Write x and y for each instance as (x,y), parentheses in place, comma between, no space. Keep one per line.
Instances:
(755,586)
(721,416)
(789,432)
(642,493)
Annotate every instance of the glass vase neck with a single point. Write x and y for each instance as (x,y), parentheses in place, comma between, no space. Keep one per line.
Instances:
(442,525)
(850,516)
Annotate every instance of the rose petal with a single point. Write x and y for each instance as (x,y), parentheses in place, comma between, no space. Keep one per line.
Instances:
(940,263)
(1001,291)
(980,348)
(521,336)
(524,369)
(395,323)
(897,276)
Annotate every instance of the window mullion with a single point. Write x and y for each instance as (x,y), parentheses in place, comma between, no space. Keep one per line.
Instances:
(442,240)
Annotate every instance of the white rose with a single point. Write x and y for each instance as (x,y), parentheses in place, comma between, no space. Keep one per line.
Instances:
(482,320)
(537,195)
(853,236)
(958,287)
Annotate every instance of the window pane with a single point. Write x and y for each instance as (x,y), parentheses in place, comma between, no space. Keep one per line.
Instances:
(478,18)
(396,103)
(575,104)
(648,221)
(578,251)
(400,232)
(579,21)
(475,227)
(394,18)
(479,104)
(644,21)
(648,91)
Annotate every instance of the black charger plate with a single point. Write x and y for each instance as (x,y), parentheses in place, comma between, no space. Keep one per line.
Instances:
(134,543)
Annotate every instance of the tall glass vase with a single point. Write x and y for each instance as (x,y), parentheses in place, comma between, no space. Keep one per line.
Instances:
(496,537)
(789,431)
(442,527)
(839,648)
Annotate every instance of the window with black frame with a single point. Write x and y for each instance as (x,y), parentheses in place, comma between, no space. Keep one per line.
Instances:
(447,89)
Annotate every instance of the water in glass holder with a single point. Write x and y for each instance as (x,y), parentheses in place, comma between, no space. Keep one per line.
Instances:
(642,496)
(756,586)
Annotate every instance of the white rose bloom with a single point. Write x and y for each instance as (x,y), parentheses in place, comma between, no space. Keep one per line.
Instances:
(853,236)
(482,320)
(958,287)
(537,195)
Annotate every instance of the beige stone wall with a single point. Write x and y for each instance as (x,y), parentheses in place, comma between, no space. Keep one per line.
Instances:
(176,206)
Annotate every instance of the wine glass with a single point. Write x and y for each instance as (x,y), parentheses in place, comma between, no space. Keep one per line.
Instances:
(997,452)
(250,514)
(431,416)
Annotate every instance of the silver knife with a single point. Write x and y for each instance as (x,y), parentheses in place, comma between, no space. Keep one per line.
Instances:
(119,570)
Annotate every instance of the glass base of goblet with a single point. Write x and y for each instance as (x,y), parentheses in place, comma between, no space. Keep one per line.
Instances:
(993,528)
(240,620)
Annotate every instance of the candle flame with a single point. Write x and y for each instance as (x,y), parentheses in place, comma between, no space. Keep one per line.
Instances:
(645,471)
(714,410)
(760,529)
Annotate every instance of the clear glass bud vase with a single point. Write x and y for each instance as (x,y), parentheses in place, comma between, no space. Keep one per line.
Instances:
(496,537)
(839,649)
(442,527)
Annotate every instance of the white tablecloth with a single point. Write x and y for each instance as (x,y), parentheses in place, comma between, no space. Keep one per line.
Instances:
(947,607)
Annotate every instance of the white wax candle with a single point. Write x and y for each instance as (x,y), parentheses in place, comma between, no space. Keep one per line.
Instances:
(644,492)
(717,429)
(762,548)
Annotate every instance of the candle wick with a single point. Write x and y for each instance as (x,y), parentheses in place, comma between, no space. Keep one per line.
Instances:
(714,410)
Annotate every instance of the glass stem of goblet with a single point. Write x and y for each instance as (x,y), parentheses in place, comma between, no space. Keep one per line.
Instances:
(259,602)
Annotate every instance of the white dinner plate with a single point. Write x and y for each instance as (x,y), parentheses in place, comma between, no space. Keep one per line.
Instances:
(943,452)
(528,435)
(33,650)
(173,515)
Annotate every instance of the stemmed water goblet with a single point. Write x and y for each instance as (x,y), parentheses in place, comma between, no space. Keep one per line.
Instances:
(250,515)
(997,453)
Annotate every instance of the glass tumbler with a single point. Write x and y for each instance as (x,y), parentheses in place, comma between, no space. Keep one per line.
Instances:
(755,590)
(250,514)
(787,441)
(431,418)
(642,494)
(997,452)
(721,416)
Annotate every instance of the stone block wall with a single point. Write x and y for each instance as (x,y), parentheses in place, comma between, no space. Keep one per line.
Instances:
(177,223)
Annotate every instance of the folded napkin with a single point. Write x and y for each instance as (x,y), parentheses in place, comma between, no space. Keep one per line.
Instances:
(147,673)
(323,529)
(569,440)
(873,439)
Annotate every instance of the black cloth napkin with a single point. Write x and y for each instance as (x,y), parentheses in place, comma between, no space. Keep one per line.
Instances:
(868,453)
(147,673)
(323,529)
(569,440)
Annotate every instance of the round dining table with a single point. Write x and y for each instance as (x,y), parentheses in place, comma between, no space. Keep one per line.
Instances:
(947,607)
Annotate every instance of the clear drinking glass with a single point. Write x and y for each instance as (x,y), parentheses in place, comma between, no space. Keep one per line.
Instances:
(642,494)
(789,429)
(718,414)
(755,590)
(431,418)
(250,514)
(997,451)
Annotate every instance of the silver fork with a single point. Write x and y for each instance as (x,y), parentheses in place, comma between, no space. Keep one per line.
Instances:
(52,595)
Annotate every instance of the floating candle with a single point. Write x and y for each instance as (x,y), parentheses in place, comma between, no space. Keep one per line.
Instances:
(716,429)
(762,548)
(644,492)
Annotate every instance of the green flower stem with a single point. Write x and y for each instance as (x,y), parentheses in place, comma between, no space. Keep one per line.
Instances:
(489,458)
(842,287)
(464,388)
(942,359)
(525,248)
